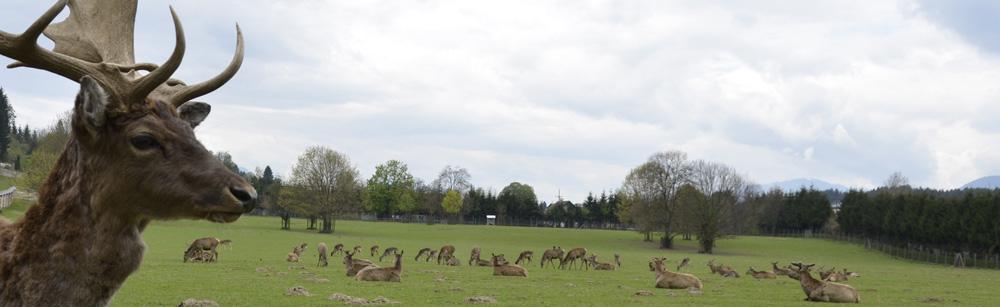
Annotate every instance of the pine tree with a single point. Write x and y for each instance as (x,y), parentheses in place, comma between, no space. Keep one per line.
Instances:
(6,118)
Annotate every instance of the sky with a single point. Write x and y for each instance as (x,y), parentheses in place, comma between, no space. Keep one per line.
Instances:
(568,96)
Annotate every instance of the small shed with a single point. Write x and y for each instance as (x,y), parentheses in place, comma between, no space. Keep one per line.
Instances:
(491,219)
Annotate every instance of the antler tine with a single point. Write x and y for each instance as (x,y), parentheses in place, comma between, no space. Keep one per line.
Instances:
(148,83)
(25,50)
(197,90)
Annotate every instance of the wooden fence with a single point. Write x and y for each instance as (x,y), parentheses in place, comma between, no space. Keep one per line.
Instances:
(7,197)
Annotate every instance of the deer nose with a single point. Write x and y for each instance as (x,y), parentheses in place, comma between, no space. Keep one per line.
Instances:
(246,196)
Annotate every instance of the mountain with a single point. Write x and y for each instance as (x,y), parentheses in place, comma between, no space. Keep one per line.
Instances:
(796,184)
(988,182)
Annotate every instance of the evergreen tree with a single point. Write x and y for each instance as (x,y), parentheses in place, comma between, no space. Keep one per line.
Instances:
(6,120)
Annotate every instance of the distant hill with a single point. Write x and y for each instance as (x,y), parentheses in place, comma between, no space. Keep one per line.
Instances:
(988,182)
(796,184)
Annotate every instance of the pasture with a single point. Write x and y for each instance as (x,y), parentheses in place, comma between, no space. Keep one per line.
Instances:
(164,280)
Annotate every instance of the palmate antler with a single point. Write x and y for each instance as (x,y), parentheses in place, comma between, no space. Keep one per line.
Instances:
(97,40)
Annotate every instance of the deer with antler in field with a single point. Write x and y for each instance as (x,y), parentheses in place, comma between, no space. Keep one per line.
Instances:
(132,157)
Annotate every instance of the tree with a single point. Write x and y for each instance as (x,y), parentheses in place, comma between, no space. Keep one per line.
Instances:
(227,160)
(6,121)
(453,178)
(896,183)
(518,201)
(389,190)
(327,183)
(706,203)
(650,190)
(452,202)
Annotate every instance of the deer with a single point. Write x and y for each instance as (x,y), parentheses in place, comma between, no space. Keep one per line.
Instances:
(432,254)
(357,249)
(555,253)
(821,291)
(841,276)
(761,274)
(670,280)
(722,270)
(603,266)
(132,157)
(445,253)
(321,248)
(684,263)
(353,266)
(339,248)
(618,260)
(201,255)
(392,274)
(374,250)
(824,274)
(572,255)
(780,271)
(298,250)
(524,257)
(502,268)
(452,261)
(422,252)
(388,251)
(206,243)
(474,255)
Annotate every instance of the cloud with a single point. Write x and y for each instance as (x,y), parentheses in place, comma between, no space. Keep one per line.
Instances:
(568,96)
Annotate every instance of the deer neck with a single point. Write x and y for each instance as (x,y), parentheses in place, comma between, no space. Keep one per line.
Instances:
(72,235)
(808,281)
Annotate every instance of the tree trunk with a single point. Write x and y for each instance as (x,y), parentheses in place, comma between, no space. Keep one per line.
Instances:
(647,238)
(312,223)
(667,241)
(285,223)
(706,245)
(327,224)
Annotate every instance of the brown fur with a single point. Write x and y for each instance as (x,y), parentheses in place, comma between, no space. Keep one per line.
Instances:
(432,254)
(353,266)
(572,256)
(670,280)
(339,248)
(821,291)
(392,274)
(321,248)
(422,252)
(722,270)
(388,252)
(474,255)
(357,249)
(525,257)
(555,253)
(603,266)
(202,256)
(618,260)
(207,243)
(781,271)
(502,268)
(374,250)
(761,274)
(684,263)
(445,252)
(292,257)
(452,261)
(298,250)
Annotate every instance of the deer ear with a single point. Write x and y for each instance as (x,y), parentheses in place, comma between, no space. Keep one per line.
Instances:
(194,112)
(89,111)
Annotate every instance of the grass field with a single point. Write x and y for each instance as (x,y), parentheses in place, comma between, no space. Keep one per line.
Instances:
(164,280)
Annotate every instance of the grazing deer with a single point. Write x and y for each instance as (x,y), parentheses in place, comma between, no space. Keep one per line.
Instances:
(603,266)
(131,158)
(321,248)
(374,251)
(474,255)
(684,263)
(354,265)
(207,243)
(572,255)
(761,274)
(502,268)
(357,249)
(432,254)
(670,280)
(821,291)
(555,253)
(388,252)
(445,253)
(393,274)
(452,261)
(618,260)
(422,252)
(339,248)
(525,257)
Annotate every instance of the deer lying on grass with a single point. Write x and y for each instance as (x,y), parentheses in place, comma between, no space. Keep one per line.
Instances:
(422,252)
(339,248)
(374,251)
(761,274)
(823,274)
(207,243)
(670,280)
(722,270)
(781,271)
(502,268)
(840,276)
(524,257)
(354,265)
(555,253)
(392,274)
(388,251)
(445,253)
(603,266)
(474,255)
(321,248)
(296,253)
(131,158)
(821,291)
(201,256)
(572,255)
(683,264)
(452,261)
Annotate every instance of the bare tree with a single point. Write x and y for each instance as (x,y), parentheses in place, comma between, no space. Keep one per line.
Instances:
(328,183)
(453,178)
(707,202)
(651,190)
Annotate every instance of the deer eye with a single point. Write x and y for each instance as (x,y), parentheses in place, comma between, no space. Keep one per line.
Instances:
(144,142)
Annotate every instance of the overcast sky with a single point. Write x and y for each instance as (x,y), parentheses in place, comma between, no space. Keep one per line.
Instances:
(569,95)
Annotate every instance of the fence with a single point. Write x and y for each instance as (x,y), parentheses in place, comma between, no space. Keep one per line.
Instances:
(7,197)
(914,252)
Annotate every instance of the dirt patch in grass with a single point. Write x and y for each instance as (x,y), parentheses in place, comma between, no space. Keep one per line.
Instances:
(297,291)
(481,300)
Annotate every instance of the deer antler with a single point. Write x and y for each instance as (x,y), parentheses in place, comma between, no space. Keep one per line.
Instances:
(94,42)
